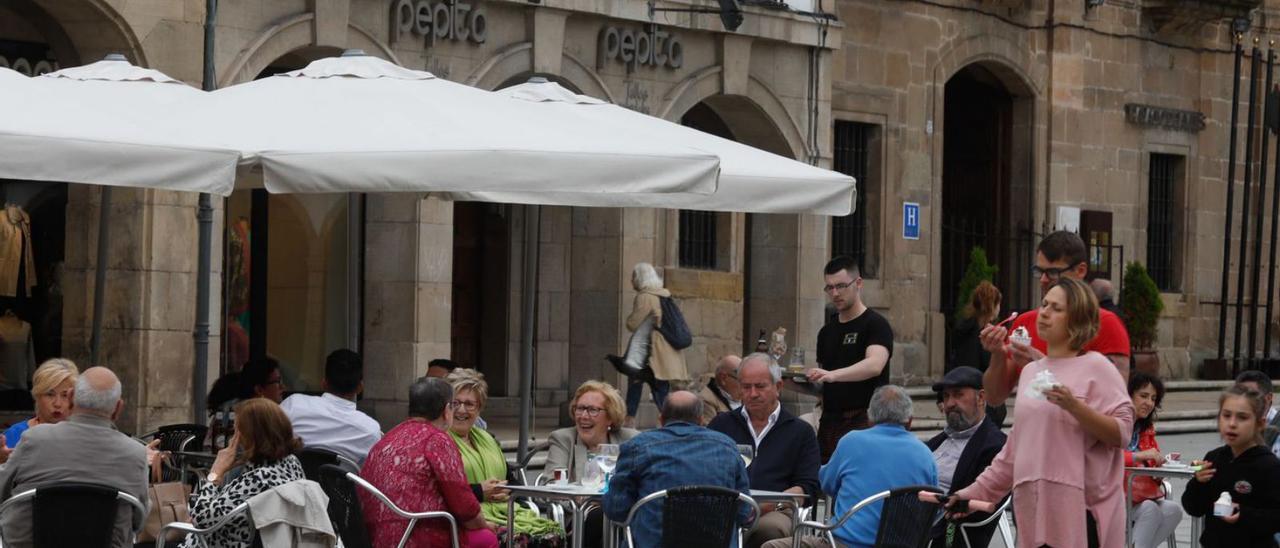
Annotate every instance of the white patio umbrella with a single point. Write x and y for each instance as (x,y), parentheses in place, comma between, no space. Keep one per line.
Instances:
(97,124)
(751,180)
(357,123)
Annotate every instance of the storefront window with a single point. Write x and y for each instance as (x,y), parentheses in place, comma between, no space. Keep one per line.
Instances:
(294,290)
(32,245)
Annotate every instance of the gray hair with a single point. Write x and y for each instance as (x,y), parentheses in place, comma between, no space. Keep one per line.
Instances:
(775,372)
(1103,289)
(890,404)
(646,277)
(428,397)
(99,401)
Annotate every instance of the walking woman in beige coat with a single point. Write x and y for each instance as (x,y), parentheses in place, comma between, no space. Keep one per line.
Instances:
(666,362)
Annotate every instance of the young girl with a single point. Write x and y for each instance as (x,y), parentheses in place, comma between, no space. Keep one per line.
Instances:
(1154,517)
(1245,470)
(1063,458)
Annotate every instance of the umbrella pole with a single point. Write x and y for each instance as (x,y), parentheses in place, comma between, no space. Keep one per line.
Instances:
(100,276)
(528,325)
(204,257)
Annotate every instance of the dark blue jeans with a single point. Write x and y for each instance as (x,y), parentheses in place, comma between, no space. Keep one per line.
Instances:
(659,389)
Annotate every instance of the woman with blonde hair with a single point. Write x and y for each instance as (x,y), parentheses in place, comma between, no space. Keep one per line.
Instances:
(484,463)
(1064,457)
(597,411)
(53,386)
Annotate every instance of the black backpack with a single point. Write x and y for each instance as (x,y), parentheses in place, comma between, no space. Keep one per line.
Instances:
(673,328)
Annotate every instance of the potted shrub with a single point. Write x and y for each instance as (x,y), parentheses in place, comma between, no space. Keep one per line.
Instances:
(1141,304)
(975,273)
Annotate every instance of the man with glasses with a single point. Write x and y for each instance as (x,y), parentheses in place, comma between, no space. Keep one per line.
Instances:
(1059,254)
(722,393)
(853,356)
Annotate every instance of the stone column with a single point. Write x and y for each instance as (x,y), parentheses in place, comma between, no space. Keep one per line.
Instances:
(150,299)
(408,294)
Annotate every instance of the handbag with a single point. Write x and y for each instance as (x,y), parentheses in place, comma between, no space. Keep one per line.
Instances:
(168,504)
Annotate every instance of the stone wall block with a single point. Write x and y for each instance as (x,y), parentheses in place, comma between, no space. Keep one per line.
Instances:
(175,229)
(169,357)
(433,311)
(434,253)
(391,252)
(389,310)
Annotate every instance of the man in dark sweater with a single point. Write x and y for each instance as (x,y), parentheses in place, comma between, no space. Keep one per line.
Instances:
(963,450)
(786,449)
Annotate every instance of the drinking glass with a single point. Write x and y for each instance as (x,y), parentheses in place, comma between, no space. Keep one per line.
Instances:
(593,475)
(748,453)
(608,453)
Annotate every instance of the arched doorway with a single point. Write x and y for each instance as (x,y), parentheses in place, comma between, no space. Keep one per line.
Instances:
(986,182)
(289,275)
(770,250)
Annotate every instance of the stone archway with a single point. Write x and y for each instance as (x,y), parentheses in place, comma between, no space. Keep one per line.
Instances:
(769,249)
(291,36)
(77,33)
(987,180)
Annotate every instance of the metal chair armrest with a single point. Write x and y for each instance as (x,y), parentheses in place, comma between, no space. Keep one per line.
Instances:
(994,515)
(413,517)
(860,505)
(199,531)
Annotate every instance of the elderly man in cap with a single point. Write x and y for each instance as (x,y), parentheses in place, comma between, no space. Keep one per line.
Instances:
(964,449)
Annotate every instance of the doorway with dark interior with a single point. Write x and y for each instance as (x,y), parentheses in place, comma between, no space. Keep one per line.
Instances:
(986,186)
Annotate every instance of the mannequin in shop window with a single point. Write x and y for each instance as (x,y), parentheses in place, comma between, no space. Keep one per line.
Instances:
(17,278)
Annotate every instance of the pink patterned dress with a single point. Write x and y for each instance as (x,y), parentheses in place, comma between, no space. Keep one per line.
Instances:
(418,467)
(1055,469)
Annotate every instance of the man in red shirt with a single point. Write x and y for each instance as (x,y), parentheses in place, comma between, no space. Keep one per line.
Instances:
(1061,253)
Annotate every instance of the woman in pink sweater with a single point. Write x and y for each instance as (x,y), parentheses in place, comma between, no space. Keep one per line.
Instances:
(1064,459)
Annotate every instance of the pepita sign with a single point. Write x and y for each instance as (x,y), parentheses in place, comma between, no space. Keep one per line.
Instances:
(646,47)
(441,20)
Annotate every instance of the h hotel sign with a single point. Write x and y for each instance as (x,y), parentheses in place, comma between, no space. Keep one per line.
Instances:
(440,20)
(651,47)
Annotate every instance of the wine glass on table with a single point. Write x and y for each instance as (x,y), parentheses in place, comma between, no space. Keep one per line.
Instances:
(748,453)
(608,455)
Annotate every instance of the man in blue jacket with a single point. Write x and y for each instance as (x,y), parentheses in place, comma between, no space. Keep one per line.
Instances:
(883,457)
(680,453)
(786,448)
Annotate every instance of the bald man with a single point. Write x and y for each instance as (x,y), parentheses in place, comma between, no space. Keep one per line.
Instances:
(682,452)
(723,392)
(1106,294)
(85,448)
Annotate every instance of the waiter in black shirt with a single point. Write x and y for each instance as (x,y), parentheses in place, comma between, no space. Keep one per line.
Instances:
(853,356)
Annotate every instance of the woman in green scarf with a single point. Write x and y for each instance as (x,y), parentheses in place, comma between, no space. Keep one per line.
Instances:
(485,466)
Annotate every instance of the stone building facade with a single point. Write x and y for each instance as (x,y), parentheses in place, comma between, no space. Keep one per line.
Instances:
(986,122)
(1004,120)
(409,278)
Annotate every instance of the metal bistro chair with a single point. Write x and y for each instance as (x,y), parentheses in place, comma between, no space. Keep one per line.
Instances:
(200,533)
(348,517)
(905,520)
(73,514)
(1006,534)
(178,438)
(696,515)
(312,458)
